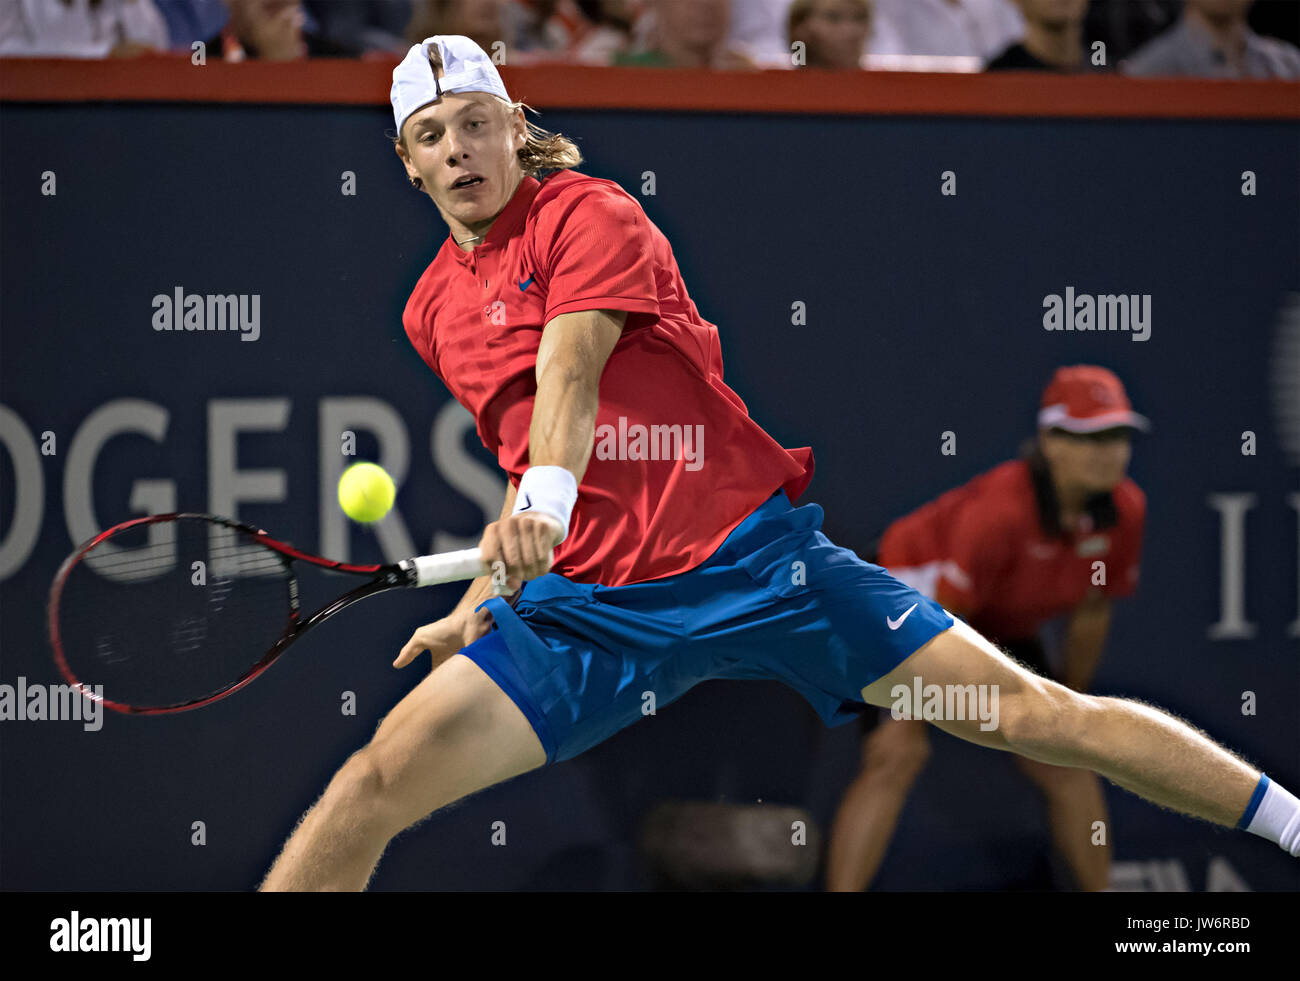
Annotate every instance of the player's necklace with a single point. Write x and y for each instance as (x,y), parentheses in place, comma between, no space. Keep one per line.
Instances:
(475,238)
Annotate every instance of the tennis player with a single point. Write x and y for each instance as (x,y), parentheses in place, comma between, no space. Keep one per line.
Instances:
(650,518)
(1054,534)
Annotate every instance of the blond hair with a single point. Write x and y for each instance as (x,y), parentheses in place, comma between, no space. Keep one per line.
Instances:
(542,149)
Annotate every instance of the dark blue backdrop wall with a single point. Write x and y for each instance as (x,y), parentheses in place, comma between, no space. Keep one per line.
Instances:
(923,316)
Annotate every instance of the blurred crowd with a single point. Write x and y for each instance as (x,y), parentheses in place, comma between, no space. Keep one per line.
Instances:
(1201,38)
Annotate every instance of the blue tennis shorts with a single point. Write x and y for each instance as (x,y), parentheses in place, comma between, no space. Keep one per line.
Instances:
(777,600)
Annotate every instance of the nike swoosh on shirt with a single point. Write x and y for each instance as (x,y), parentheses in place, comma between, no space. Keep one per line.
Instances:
(895,624)
(524,285)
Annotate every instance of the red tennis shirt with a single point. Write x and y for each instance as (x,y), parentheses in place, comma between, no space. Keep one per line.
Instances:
(980,550)
(677,462)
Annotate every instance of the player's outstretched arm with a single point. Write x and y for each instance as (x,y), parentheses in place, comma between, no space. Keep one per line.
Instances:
(570,359)
(572,355)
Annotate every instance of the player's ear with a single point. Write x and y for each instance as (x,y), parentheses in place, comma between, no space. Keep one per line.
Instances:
(404,155)
(412,174)
(520,123)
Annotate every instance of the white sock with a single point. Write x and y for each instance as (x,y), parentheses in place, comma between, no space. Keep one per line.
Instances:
(1273,813)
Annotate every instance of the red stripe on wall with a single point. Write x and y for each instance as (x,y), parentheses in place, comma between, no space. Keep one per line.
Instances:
(346,82)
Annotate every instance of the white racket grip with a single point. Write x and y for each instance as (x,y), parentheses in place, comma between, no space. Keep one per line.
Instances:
(430,570)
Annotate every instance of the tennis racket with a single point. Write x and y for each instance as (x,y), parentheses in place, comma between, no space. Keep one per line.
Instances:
(174,611)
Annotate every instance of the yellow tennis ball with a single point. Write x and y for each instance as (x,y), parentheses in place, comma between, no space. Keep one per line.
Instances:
(366,492)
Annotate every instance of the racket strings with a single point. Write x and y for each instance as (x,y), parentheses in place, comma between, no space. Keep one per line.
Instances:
(171,612)
(229,555)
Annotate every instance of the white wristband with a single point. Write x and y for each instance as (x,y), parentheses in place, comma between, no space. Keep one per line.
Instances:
(552,491)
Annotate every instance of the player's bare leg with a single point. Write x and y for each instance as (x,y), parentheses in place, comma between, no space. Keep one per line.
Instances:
(1138,747)
(893,756)
(1074,803)
(456,733)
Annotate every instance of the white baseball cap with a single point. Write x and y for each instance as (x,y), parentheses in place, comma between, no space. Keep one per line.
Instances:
(466,68)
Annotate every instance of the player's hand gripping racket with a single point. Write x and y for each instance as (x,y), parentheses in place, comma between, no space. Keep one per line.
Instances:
(174,611)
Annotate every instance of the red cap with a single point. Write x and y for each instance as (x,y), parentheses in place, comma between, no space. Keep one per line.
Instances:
(1085,398)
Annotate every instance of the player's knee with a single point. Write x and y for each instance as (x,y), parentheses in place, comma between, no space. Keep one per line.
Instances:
(896,752)
(360,786)
(375,792)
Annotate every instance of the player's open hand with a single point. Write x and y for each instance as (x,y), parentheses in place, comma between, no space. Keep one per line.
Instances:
(524,543)
(445,637)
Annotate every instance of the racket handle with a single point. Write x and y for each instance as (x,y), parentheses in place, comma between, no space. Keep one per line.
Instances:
(430,570)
